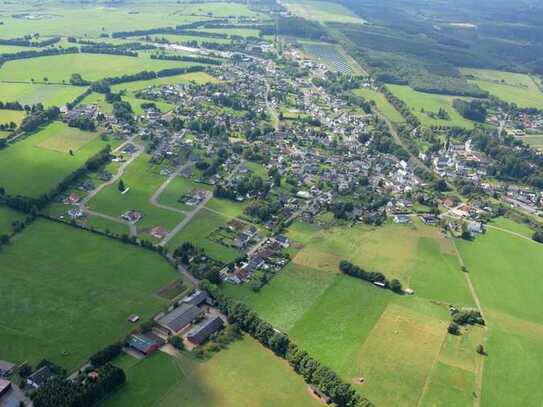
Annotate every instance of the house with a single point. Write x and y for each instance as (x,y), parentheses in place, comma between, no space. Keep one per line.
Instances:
(204,329)
(475,228)
(133,318)
(282,240)
(180,317)
(401,219)
(158,232)
(143,343)
(40,376)
(75,213)
(72,199)
(6,368)
(5,386)
(132,216)
(429,219)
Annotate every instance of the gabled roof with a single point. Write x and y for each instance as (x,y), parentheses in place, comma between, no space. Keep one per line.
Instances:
(180,317)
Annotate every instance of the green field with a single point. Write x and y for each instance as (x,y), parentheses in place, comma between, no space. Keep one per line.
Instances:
(30,94)
(511,87)
(239,32)
(382,104)
(7,216)
(178,187)
(197,231)
(423,103)
(31,167)
(73,295)
(535,141)
(178,39)
(8,116)
(143,179)
(322,11)
(163,381)
(91,66)
(505,270)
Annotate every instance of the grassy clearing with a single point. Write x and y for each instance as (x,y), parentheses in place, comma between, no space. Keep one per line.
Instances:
(162,380)
(197,232)
(8,116)
(505,270)
(197,77)
(322,11)
(508,224)
(511,87)
(63,304)
(28,169)
(423,103)
(143,179)
(30,94)
(382,104)
(91,66)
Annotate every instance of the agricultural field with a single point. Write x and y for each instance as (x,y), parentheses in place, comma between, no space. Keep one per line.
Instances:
(8,116)
(511,87)
(382,104)
(63,304)
(332,56)
(46,158)
(91,67)
(196,77)
(422,104)
(182,38)
(504,269)
(163,381)
(322,11)
(142,179)
(535,141)
(236,32)
(31,94)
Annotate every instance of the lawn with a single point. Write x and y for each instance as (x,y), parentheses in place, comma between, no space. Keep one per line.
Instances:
(62,303)
(163,381)
(8,116)
(382,104)
(322,11)
(92,67)
(508,86)
(506,272)
(197,231)
(178,187)
(143,179)
(29,169)
(421,104)
(31,94)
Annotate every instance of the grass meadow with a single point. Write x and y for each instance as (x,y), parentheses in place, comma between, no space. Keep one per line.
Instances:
(506,272)
(322,11)
(511,87)
(31,94)
(382,104)
(245,374)
(91,67)
(178,187)
(36,164)
(7,216)
(143,179)
(63,303)
(8,116)
(535,141)
(422,103)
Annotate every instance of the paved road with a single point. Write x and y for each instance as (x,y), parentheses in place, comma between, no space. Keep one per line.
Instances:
(154,199)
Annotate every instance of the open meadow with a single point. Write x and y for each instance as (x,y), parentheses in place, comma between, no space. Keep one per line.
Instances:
(31,94)
(7,217)
(423,105)
(506,272)
(535,141)
(91,67)
(165,381)
(63,303)
(8,116)
(511,87)
(322,11)
(36,164)
(382,104)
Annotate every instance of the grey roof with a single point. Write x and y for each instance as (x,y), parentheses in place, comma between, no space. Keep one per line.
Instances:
(142,343)
(180,317)
(6,367)
(41,375)
(196,298)
(201,332)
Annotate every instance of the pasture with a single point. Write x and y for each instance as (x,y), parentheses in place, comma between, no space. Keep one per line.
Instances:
(65,139)
(505,270)
(233,32)
(423,105)
(63,304)
(31,168)
(8,116)
(535,141)
(382,104)
(31,94)
(7,216)
(142,179)
(322,11)
(163,381)
(177,188)
(508,86)
(91,67)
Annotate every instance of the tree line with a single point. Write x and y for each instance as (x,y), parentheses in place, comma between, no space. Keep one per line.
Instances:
(313,372)
(27,41)
(34,54)
(163,30)
(371,276)
(187,58)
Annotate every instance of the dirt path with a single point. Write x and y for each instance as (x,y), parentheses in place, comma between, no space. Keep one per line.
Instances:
(511,233)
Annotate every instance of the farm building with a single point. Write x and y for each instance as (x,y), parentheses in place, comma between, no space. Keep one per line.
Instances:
(197,298)
(204,329)
(5,385)
(180,317)
(40,376)
(143,343)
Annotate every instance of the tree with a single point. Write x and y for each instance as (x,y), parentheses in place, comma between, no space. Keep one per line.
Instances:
(453,329)
(481,350)
(396,286)
(177,342)
(538,236)
(122,187)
